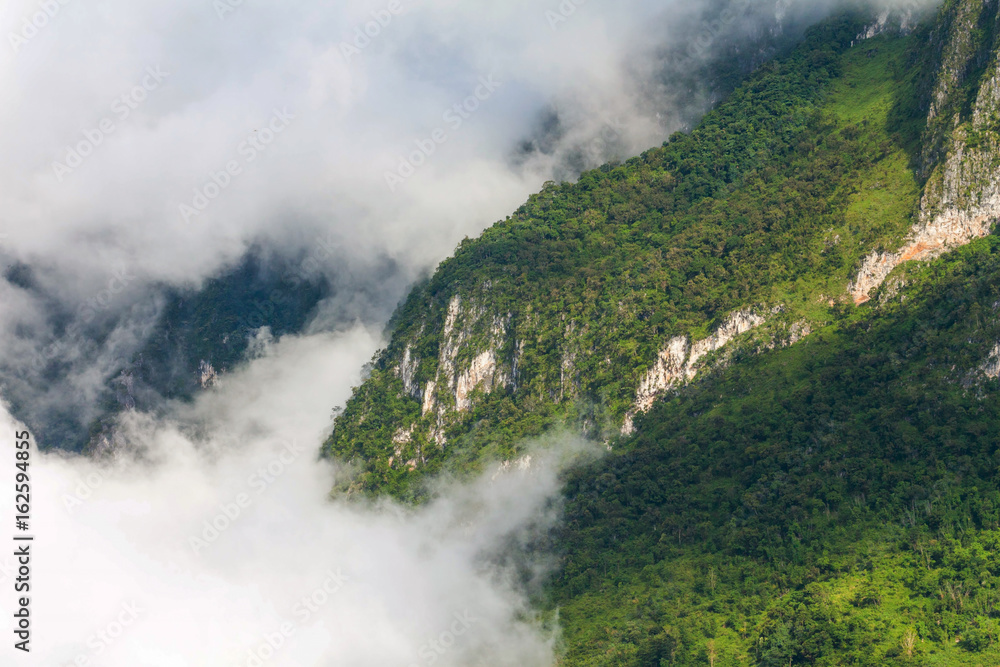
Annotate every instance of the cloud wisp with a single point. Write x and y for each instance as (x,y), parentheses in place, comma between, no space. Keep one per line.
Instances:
(147,146)
(214,541)
(165,139)
(122,120)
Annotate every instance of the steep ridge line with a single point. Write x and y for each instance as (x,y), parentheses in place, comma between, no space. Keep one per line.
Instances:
(678,362)
(961,200)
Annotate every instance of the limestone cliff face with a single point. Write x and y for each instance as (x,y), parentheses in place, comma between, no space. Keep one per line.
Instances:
(961,152)
(466,362)
(479,353)
(990,368)
(407,371)
(474,351)
(680,360)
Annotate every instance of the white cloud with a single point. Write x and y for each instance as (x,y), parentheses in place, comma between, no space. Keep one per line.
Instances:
(601,73)
(220,80)
(219,539)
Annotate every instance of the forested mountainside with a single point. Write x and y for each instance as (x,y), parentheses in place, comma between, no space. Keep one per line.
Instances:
(836,502)
(584,304)
(200,334)
(785,327)
(188,337)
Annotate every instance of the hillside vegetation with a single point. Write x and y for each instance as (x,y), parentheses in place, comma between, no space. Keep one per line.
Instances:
(792,478)
(814,505)
(770,202)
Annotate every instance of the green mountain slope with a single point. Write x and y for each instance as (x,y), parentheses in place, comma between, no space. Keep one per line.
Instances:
(118,353)
(202,333)
(556,313)
(802,420)
(811,505)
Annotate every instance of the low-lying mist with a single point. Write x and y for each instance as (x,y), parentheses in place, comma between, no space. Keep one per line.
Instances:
(147,147)
(212,541)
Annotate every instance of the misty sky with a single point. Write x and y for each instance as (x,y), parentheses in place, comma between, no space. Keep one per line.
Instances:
(212,543)
(158,140)
(171,93)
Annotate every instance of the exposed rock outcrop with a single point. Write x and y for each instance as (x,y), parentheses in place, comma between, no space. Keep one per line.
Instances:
(429,402)
(455,382)
(207,375)
(991,367)
(961,200)
(482,371)
(953,228)
(522,464)
(679,361)
(407,372)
